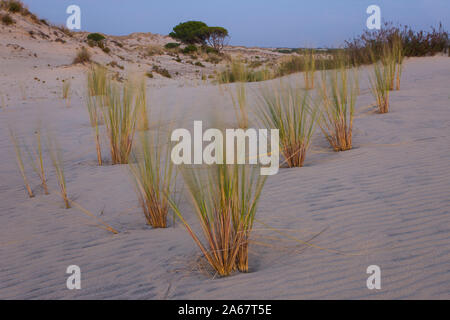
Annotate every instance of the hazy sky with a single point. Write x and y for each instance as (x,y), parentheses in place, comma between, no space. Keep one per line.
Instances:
(271,23)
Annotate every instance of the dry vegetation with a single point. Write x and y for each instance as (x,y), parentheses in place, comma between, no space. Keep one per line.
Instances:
(339,89)
(225,199)
(83,56)
(289,110)
(58,165)
(154,177)
(20,164)
(240,105)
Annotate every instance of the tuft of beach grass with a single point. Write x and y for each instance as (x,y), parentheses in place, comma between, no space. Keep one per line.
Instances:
(120,119)
(338,92)
(154,176)
(225,199)
(37,160)
(240,105)
(309,63)
(58,165)
(66,85)
(94,110)
(381,82)
(19,161)
(289,110)
(141,105)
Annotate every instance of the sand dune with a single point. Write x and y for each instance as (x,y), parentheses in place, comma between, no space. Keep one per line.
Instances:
(386,202)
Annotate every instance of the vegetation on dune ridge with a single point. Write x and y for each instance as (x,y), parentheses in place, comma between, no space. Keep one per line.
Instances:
(197,32)
(364,49)
(371,44)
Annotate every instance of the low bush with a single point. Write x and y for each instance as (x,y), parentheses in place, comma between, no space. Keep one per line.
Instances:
(414,43)
(172,45)
(14,6)
(82,56)
(7,20)
(162,71)
(190,49)
(96,37)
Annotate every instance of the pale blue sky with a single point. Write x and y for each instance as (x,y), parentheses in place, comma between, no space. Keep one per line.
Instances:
(271,23)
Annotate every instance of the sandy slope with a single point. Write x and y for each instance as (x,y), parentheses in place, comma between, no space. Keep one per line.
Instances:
(386,202)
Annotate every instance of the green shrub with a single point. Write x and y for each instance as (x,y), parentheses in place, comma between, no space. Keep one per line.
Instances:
(190,49)
(199,64)
(284,51)
(210,50)
(96,37)
(172,45)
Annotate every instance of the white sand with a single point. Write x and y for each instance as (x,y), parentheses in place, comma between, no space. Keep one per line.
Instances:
(386,202)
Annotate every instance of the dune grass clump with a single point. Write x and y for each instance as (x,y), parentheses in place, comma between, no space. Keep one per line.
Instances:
(58,165)
(94,109)
(399,56)
(37,161)
(339,89)
(309,72)
(120,120)
(66,85)
(19,161)
(380,83)
(225,199)
(238,71)
(289,110)
(388,59)
(307,62)
(240,105)
(141,105)
(154,176)
(83,56)
(97,80)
